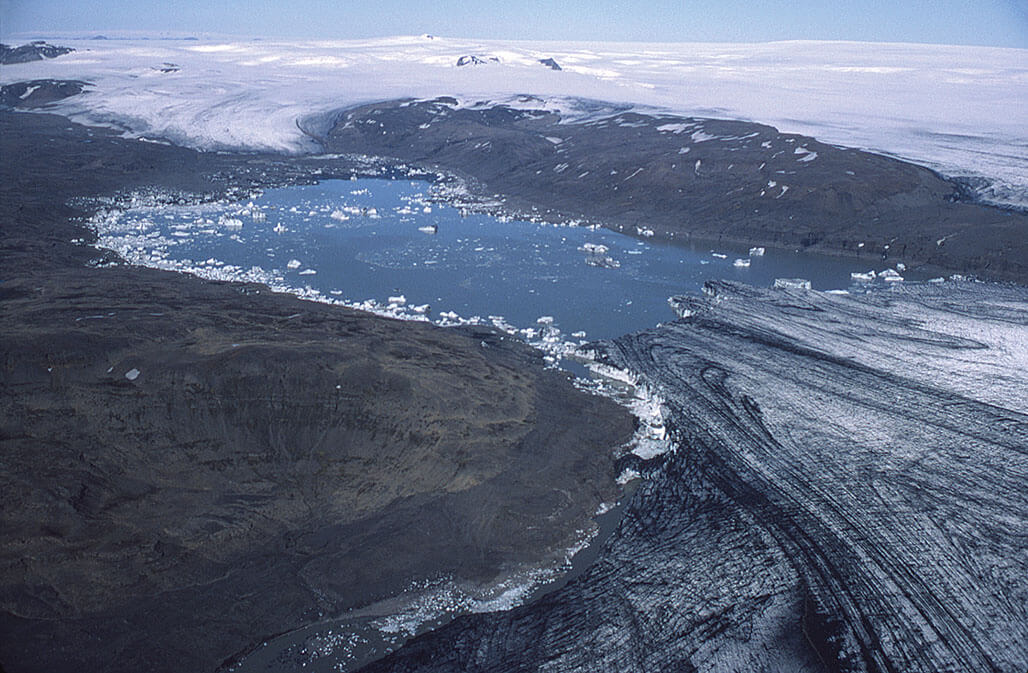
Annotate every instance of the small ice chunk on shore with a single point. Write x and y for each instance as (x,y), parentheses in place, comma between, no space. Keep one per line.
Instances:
(132,374)
(398,300)
(863,277)
(756,252)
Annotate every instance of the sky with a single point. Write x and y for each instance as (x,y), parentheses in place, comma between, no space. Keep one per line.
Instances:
(1002,23)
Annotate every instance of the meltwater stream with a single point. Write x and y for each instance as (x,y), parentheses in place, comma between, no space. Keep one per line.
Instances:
(386,245)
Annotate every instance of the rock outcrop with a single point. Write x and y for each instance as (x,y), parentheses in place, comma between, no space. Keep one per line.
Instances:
(33,51)
(39,93)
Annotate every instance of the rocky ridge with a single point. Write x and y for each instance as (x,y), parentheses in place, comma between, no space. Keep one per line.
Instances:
(683,178)
(33,51)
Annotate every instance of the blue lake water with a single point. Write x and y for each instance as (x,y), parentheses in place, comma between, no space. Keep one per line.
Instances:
(362,240)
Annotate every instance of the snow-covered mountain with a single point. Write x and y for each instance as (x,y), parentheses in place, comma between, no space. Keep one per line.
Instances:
(956,109)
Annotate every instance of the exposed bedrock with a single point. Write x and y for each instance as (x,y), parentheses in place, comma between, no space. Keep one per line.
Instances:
(187,467)
(848,495)
(706,179)
(39,93)
(33,51)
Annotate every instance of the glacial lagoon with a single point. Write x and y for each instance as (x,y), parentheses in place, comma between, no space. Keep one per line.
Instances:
(386,244)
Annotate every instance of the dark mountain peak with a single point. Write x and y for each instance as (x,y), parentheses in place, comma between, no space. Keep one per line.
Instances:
(472,59)
(33,51)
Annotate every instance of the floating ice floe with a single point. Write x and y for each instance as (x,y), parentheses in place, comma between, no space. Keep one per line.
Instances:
(719,255)
(429,229)
(756,252)
(398,300)
(293,264)
(741,263)
(890,276)
(792,283)
(603,262)
(864,277)
(308,272)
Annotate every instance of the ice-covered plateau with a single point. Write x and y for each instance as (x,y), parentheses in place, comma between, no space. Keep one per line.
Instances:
(955,109)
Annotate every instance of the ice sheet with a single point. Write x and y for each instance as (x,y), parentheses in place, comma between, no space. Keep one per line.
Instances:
(957,109)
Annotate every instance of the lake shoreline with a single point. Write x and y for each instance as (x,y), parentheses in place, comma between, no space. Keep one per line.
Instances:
(175,440)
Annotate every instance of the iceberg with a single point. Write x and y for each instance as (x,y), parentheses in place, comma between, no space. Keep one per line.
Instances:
(792,284)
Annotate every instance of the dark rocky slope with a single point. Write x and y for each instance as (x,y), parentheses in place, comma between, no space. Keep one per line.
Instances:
(707,179)
(33,51)
(848,495)
(38,93)
(187,466)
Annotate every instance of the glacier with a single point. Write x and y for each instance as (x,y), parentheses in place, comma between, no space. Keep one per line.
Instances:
(956,109)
